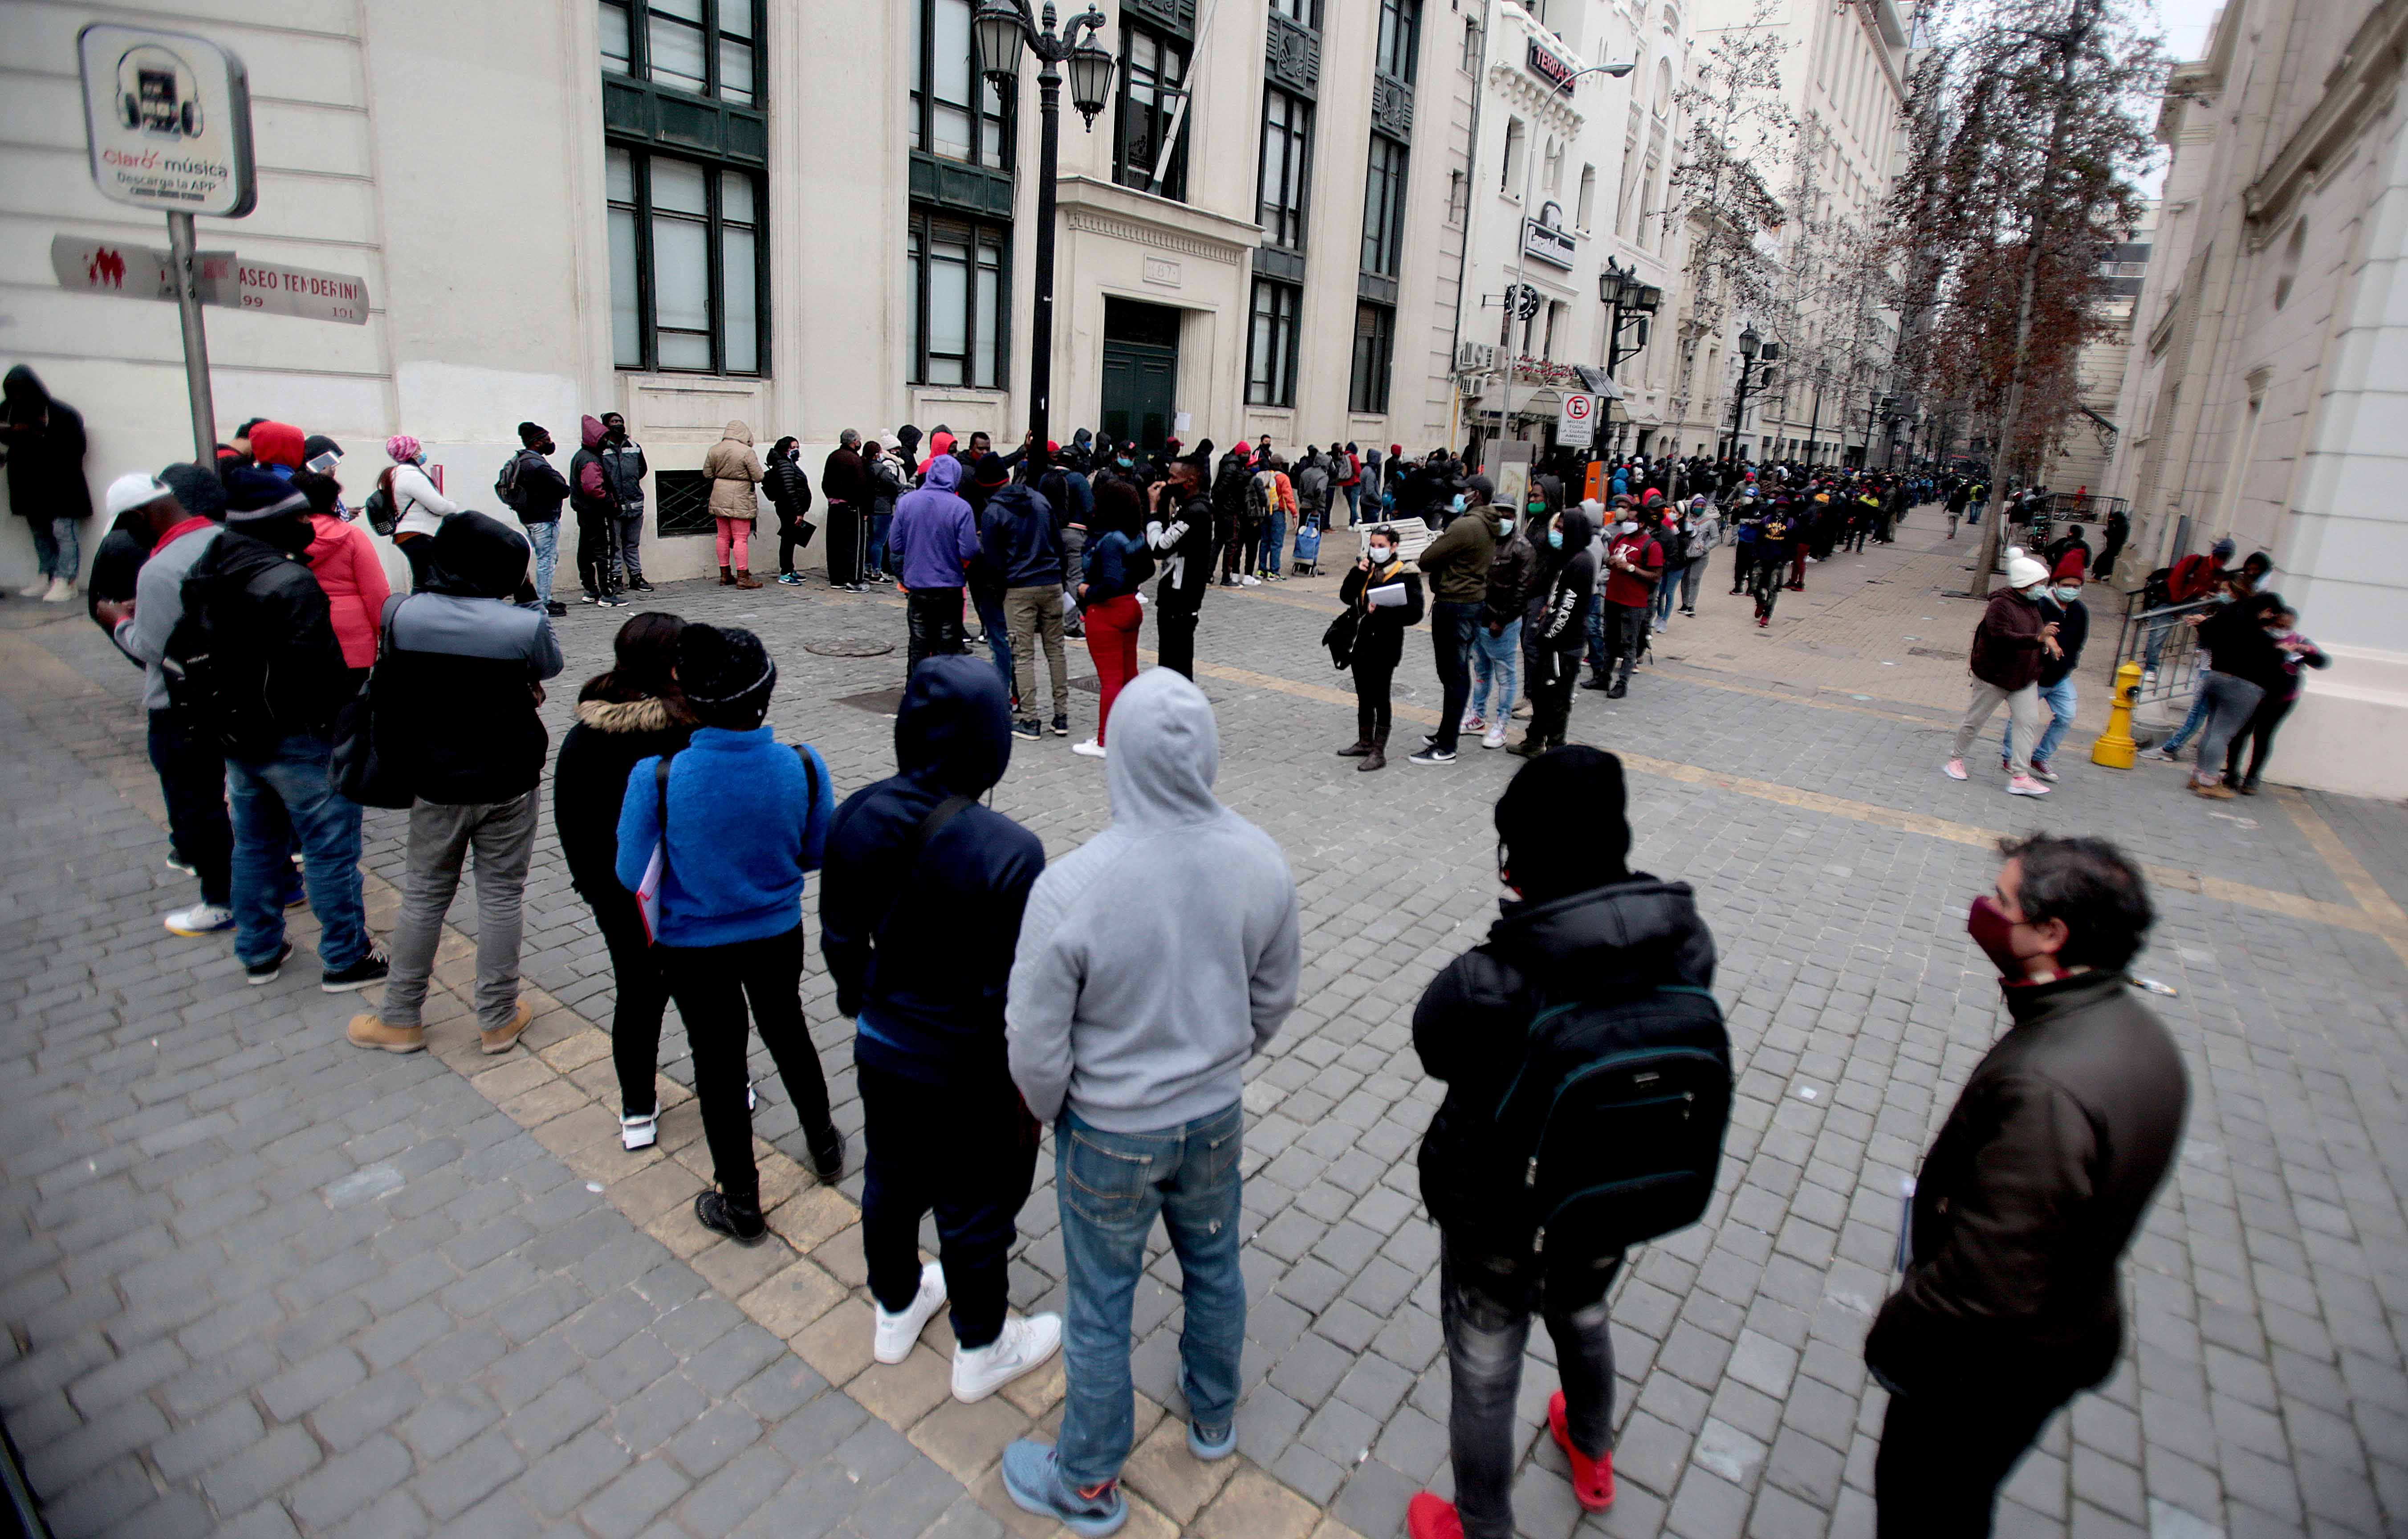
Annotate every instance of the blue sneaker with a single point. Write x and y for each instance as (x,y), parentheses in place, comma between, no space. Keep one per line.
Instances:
(1211,1445)
(1033,1475)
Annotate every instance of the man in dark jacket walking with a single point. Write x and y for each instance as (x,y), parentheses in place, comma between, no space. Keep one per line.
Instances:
(536,492)
(2029,1196)
(456,693)
(2010,646)
(1022,545)
(919,906)
(1456,564)
(1582,928)
(267,694)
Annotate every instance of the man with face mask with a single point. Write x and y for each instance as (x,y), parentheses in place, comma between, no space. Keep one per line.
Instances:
(2010,646)
(1496,636)
(2060,605)
(1456,564)
(2031,1194)
(1552,631)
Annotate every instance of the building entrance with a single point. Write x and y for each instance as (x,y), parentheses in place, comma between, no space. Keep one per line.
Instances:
(1140,371)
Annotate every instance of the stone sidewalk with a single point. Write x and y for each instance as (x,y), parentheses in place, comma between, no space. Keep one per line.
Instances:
(199,1225)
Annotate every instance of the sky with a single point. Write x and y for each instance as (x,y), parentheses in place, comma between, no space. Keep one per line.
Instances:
(2185,23)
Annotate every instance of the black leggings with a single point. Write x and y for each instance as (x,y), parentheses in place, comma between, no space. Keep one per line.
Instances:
(639,999)
(2259,733)
(1373,682)
(1765,584)
(711,985)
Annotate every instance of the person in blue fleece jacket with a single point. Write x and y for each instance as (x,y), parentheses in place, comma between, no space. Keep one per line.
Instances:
(747,817)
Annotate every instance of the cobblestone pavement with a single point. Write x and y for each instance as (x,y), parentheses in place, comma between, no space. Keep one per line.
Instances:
(257,1282)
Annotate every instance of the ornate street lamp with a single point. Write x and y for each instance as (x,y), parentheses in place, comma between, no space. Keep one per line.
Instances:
(1750,344)
(997,31)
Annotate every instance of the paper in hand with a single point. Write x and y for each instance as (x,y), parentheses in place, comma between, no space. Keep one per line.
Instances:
(1390,598)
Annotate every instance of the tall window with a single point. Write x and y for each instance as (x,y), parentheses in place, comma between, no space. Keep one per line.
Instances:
(1587,195)
(1470,61)
(944,121)
(686,258)
(1375,346)
(1384,208)
(706,47)
(958,324)
(1304,13)
(1270,344)
(1287,143)
(1509,180)
(1400,26)
(1152,67)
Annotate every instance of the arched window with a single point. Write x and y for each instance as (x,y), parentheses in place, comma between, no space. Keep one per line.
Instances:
(1662,104)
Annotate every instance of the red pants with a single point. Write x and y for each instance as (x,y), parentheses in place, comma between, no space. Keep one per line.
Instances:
(1111,639)
(1797,566)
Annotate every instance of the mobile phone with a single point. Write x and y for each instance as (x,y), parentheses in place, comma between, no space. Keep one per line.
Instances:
(324,464)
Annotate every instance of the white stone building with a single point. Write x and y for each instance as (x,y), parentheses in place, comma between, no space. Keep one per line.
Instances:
(808,217)
(2267,400)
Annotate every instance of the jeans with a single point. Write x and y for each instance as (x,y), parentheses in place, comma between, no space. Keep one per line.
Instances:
(192,780)
(935,618)
(1354,503)
(2196,716)
(711,985)
(1111,640)
(638,999)
(874,556)
(975,1179)
(1944,1457)
(544,538)
(1668,588)
(1495,659)
(280,800)
(57,547)
(1484,1307)
(628,524)
(2159,631)
(2230,703)
(998,634)
(2059,700)
(1451,626)
(1033,615)
(1598,652)
(1274,543)
(2023,717)
(1626,634)
(1111,1186)
(440,836)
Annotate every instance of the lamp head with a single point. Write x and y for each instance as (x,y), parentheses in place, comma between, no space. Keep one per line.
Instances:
(998,32)
(1749,342)
(1091,70)
(1618,71)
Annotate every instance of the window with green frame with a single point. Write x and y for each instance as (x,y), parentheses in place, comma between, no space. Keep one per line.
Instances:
(709,48)
(958,321)
(1152,75)
(1384,207)
(944,121)
(688,256)
(1271,344)
(1375,349)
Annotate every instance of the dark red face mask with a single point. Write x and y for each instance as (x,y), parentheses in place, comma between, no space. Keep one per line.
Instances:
(1995,933)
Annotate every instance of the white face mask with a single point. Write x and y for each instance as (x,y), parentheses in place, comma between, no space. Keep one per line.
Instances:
(1505,525)
(1380,554)
(2032,592)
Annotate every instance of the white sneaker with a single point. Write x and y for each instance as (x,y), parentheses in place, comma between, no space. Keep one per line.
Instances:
(1090,748)
(1494,737)
(2024,786)
(201,919)
(1025,1345)
(1250,581)
(896,1333)
(34,589)
(61,591)
(640,1132)
(751,1097)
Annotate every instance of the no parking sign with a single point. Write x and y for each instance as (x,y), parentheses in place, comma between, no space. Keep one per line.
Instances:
(1576,422)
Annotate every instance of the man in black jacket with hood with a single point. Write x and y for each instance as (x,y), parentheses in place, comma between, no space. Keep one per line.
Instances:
(1557,628)
(1179,533)
(920,896)
(2031,1194)
(456,693)
(1582,928)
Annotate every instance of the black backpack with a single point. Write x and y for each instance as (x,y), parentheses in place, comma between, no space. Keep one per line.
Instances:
(1611,1130)
(506,485)
(215,697)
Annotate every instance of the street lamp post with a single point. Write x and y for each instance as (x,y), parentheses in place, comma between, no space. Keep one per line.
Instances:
(1821,382)
(1750,347)
(999,29)
(1620,289)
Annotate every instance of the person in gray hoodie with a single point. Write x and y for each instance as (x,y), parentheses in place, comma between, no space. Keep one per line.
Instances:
(1153,962)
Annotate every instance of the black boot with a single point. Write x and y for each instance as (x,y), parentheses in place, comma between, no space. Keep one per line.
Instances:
(1617,690)
(1362,748)
(1532,744)
(737,1218)
(826,1148)
(1595,681)
(1378,757)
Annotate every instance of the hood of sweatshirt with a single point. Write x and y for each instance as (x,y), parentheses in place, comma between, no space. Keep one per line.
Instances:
(1577,530)
(939,446)
(738,432)
(22,390)
(1635,933)
(649,714)
(1165,753)
(953,728)
(277,443)
(477,556)
(945,473)
(589,432)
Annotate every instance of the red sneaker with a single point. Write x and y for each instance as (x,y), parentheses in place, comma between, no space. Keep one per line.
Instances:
(1592,1478)
(1429,1516)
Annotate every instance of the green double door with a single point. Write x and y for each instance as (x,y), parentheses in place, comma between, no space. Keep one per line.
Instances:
(1140,371)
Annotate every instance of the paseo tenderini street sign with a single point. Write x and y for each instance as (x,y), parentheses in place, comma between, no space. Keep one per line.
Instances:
(225,280)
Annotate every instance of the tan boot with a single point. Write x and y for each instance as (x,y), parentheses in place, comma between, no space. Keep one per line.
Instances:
(727,578)
(507,1037)
(368,1031)
(744,578)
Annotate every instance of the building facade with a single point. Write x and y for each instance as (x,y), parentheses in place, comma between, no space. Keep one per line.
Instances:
(806,218)
(2264,396)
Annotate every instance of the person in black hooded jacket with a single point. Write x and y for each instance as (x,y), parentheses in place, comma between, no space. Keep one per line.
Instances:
(1580,927)
(790,494)
(922,891)
(456,689)
(633,712)
(1557,630)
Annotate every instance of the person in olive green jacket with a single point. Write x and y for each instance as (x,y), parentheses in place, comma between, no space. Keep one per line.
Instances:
(1456,564)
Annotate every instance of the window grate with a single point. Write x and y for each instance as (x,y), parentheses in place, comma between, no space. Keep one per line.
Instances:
(683,497)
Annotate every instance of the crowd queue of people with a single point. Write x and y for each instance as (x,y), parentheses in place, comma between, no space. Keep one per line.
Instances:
(1116,993)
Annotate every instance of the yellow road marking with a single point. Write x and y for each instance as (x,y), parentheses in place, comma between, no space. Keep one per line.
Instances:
(2389,920)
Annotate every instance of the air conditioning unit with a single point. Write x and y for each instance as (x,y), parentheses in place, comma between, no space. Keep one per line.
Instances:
(1475,357)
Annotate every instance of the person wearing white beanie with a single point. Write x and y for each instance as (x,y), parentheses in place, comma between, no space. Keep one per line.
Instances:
(2009,647)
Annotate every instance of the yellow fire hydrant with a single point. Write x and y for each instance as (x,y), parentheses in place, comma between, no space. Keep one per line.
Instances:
(2116,748)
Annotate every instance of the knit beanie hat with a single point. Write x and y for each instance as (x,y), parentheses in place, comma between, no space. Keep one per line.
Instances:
(198,488)
(990,471)
(402,448)
(2022,571)
(254,497)
(723,667)
(2071,564)
(1564,823)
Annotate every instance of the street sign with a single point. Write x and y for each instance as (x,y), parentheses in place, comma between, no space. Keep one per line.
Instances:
(225,280)
(166,120)
(1576,422)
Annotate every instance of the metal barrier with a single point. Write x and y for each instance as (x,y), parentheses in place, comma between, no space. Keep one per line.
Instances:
(2164,645)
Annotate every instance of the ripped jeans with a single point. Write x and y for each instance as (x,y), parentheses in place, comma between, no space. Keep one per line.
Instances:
(1486,1303)
(1110,1186)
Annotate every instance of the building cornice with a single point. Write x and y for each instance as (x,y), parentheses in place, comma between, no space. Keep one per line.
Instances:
(1543,104)
(2361,88)
(1143,219)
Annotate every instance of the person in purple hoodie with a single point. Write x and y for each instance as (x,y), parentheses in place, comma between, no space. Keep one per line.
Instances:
(933,539)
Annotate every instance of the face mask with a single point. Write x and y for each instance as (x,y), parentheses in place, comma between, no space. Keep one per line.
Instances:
(1457,506)
(1995,933)
(1380,554)
(1505,525)
(1536,508)
(1630,526)
(2032,592)
(1556,539)
(1125,462)
(2066,595)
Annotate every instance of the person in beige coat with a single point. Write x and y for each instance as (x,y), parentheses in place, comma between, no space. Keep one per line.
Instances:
(734,470)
